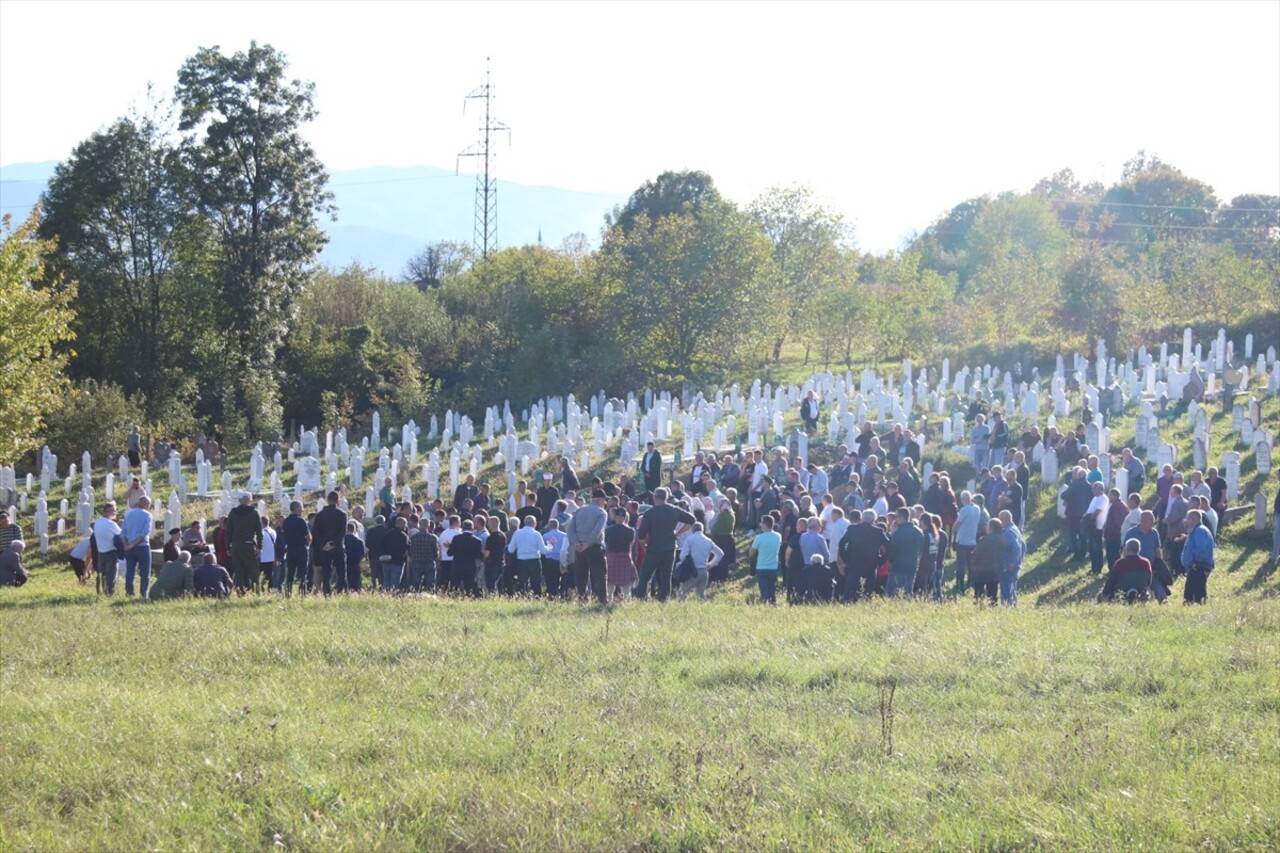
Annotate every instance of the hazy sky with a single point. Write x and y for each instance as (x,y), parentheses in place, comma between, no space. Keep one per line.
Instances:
(892,112)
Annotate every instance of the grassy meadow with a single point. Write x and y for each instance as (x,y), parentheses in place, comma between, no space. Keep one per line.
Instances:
(372,723)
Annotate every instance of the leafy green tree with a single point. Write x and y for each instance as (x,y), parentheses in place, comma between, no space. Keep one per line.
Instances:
(670,193)
(807,241)
(527,323)
(690,291)
(437,262)
(35,323)
(122,221)
(1156,201)
(261,186)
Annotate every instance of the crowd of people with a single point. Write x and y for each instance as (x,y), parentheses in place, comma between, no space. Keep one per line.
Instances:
(860,527)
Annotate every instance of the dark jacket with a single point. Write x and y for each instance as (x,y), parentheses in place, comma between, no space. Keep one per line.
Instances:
(984,562)
(862,547)
(905,546)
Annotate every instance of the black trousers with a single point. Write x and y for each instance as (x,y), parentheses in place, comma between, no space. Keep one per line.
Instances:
(1195,588)
(987,590)
(295,565)
(589,564)
(332,564)
(860,583)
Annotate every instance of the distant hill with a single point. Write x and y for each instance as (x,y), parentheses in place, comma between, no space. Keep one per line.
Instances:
(386,214)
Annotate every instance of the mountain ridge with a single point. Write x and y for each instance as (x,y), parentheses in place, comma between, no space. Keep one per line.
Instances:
(385,214)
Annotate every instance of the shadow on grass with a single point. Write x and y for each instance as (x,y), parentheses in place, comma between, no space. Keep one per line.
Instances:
(63,600)
(1268,572)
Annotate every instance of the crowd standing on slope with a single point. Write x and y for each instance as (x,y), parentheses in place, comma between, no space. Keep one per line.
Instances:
(864,526)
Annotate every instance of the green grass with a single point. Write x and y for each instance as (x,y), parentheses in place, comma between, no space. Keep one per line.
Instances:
(375,724)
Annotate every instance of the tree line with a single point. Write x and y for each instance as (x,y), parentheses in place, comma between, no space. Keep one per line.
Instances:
(175,251)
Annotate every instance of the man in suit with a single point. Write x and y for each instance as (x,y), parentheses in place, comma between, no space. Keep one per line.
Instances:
(329,532)
(651,468)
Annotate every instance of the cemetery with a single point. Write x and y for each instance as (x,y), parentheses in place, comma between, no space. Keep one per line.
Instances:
(371,721)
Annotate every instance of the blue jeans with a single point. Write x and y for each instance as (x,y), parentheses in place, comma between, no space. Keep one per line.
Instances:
(137,558)
(1009,586)
(900,582)
(768,580)
(980,455)
(1275,537)
(937,584)
(392,573)
(422,576)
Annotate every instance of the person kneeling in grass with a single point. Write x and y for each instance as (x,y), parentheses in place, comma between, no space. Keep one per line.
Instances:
(12,572)
(175,579)
(211,579)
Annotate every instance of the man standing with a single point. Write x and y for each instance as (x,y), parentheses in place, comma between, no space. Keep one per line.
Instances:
(999,438)
(651,468)
(297,545)
(1075,501)
(1197,559)
(466,550)
(1013,497)
(1095,521)
(329,530)
(135,459)
(809,412)
(905,546)
(1174,514)
(1137,471)
(584,533)
(859,553)
(396,550)
(244,540)
(424,551)
(658,533)
(528,548)
(1113,527)
(764,548)
(137,546)
(964,535)
(105,531)
(1015,549)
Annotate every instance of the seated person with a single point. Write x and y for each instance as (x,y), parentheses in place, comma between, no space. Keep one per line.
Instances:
(173,545)
(175,579)
(212,580)
(193,539)
(12,572)
(1129,575)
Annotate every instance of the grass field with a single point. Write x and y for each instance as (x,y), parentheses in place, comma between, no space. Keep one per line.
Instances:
(370,723)
(376,724)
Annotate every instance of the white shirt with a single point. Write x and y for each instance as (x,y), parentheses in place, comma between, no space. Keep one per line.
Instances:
(834,532)
(881,507)
(1130,522)
(705,552)
(1100,503)
(105,531)
(81,550)
(527,544)
(447,536)
(268,554)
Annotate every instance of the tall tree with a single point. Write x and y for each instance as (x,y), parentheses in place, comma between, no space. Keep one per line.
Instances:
(262,186)
(438,261)
(34,322)
(120,219)
(690,290)
(807,240)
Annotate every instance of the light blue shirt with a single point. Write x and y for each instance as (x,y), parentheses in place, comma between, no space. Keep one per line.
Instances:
(555,542)
(967,521)
(137,525)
